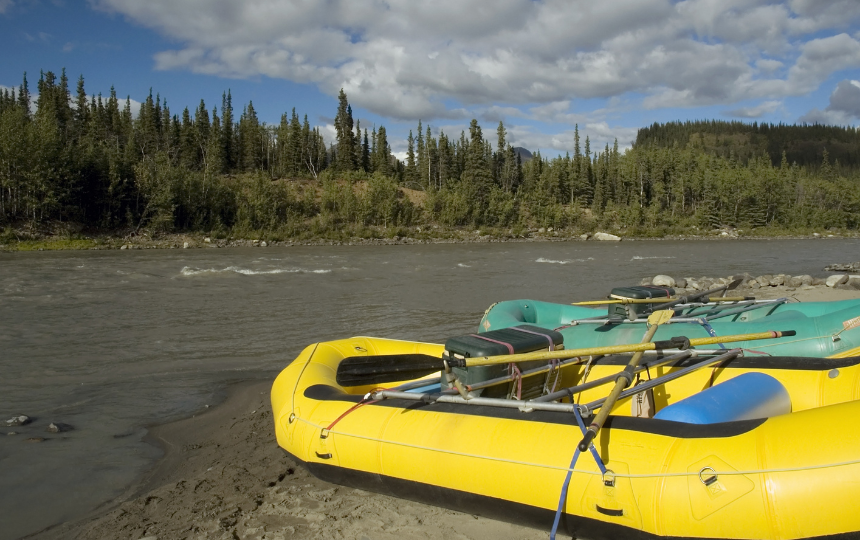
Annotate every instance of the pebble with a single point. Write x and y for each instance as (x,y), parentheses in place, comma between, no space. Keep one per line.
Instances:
(20,420)
(58,427)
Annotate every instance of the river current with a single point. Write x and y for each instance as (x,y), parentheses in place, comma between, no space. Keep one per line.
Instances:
(110,342)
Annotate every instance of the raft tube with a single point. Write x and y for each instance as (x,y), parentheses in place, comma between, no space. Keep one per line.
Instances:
(786,477)
(820,326)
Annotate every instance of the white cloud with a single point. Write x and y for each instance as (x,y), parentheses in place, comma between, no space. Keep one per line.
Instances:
(844,107)
(5,5)
(755,111)
(459,58)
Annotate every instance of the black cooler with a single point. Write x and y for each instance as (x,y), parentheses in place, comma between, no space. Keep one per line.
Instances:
(638,292)
(514,340)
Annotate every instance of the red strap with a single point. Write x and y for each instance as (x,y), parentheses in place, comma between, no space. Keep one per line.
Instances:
(548,338)
(507,345)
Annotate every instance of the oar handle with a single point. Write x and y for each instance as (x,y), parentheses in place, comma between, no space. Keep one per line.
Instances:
(589,436)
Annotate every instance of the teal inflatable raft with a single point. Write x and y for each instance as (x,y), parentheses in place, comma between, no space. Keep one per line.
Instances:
(824,329)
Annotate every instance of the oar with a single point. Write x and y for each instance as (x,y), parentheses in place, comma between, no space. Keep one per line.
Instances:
(362,370)
(713,299)
(624,378)
(693,298)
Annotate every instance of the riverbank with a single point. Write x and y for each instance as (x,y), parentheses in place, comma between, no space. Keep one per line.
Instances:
(69,237)
(223,476)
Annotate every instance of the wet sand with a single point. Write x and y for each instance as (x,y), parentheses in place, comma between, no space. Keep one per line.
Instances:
(224,476)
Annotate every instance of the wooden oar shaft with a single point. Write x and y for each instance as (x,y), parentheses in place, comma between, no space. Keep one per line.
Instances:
(622,382)
(712,299)
(614,349)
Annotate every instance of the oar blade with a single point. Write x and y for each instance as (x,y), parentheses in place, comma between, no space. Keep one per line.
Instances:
(660,317)
(385,368)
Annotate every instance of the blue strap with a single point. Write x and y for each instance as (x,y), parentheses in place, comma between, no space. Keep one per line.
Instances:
(710,330)
(563,497)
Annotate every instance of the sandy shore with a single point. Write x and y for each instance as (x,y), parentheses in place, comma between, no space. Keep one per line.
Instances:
(223,476)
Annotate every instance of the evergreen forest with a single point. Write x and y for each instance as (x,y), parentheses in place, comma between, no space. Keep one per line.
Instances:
(93,161)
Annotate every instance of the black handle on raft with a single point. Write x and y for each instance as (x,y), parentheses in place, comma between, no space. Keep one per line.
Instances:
(586,440)
(786,333)
(678,342)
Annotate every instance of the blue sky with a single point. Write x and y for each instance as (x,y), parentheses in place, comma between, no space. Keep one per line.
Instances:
(540,66)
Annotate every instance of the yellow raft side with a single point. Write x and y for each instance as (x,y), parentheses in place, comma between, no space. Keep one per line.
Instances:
(791,476)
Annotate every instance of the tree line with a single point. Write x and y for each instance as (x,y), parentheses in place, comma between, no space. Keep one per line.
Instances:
(90,160)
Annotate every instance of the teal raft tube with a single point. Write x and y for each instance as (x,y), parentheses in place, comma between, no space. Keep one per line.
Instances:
(824,329)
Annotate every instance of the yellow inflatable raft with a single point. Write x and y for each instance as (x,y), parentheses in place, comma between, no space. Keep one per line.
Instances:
(795,475)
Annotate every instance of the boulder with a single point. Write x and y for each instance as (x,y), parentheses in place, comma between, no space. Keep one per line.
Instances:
(795,281)
(754,284)
(693,284)
(585,236)
(776,281)
(818,281)
(663,281)
(646,281)
(838,279)
(20,420)
(185,245)
(806,279)
(681,283)
(207,240)
(263,244)
(606,237)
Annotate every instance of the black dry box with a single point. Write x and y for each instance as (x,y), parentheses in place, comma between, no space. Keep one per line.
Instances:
(514,340)
(638,292)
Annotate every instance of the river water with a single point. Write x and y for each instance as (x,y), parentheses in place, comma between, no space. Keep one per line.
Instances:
(110,342)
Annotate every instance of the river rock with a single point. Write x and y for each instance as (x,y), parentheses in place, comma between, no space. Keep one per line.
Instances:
(795,281)
(606,237)
(646,281)
(663,281)
(806,279)
(776,281)
(263,244)
(585,236)
(185,245)
(20,420)
(58,427)
(681,283)
(754,284)
(11,433)
(849,267)
(124,246)
(838,279)
(819,281)
(207,240)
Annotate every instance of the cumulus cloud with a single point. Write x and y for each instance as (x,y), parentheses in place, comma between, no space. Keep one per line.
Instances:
(844,107)
(457,58)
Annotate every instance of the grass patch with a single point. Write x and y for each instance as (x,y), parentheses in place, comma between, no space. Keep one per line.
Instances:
(51,244)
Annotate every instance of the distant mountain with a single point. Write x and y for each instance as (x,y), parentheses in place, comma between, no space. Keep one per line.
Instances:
(525,154)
